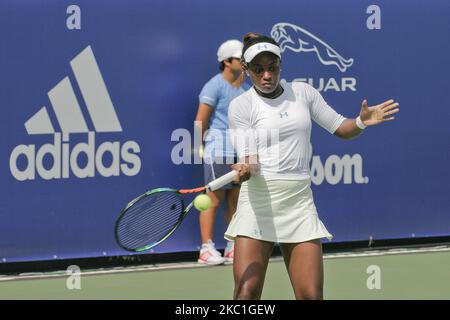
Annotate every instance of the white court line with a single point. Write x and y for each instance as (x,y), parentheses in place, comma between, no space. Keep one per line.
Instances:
(191,265)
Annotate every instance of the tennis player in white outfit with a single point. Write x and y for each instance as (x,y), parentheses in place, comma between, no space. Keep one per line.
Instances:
(275,202)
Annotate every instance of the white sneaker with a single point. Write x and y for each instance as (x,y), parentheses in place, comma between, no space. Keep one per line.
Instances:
(229,252)
(209,255)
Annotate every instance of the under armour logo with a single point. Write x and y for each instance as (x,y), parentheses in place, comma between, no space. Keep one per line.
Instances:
(284,115)
(262,46)
(257,232)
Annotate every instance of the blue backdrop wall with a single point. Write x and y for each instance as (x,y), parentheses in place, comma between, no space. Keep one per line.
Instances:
(91,94)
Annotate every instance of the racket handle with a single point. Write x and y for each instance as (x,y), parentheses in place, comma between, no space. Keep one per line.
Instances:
(222,181)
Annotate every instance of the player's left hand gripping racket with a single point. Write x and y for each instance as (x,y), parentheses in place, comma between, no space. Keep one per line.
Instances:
(152,217)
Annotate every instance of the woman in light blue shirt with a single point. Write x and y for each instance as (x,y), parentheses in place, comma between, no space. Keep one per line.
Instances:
(218,152)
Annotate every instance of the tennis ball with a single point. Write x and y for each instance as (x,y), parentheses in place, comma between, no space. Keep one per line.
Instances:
(202,202)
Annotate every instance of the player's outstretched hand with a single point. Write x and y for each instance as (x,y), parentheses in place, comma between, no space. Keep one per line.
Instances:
(379,113)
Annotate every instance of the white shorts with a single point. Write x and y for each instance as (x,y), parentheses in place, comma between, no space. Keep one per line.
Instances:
(280,211)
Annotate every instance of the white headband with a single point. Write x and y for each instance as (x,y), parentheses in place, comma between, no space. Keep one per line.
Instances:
(257,48)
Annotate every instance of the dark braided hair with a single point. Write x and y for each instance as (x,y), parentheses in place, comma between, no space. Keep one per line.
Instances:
(252,38)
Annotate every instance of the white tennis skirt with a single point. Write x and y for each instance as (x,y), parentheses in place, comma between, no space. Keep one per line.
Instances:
(280,211)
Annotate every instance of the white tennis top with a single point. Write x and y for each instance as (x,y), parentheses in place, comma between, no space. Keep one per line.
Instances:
(279,130)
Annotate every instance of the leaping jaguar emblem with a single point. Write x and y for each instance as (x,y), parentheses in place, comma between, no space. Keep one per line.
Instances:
(297,39)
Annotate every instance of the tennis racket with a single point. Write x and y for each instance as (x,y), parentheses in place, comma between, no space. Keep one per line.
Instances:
(154,216)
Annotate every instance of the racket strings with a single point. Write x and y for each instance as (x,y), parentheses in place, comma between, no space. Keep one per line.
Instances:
(143,226)
(149,220)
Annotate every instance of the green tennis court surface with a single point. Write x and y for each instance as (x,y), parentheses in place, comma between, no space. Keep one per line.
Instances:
(412,274)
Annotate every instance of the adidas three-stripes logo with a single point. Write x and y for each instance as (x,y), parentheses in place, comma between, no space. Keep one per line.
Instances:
(66,106)
(27,161)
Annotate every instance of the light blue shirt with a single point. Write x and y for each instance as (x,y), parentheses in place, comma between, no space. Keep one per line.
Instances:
(218,93)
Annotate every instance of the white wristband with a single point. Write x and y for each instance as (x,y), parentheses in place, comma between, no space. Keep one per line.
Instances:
(360,124)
